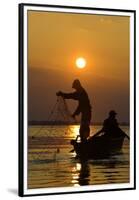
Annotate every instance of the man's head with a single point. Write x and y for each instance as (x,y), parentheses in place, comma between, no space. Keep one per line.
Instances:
(112,113)
(76,84)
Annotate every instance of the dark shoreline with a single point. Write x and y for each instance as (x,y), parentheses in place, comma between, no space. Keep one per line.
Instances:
(60,123)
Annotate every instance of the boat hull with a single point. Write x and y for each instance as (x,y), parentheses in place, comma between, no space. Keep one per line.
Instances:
(98,147)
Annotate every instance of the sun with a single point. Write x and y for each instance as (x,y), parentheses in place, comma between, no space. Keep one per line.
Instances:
(80,62)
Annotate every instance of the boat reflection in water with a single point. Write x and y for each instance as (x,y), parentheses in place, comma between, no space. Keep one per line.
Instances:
(111,170)
(81,174)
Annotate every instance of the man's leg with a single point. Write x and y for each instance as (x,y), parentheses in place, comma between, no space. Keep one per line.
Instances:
(85,125)
(84,131)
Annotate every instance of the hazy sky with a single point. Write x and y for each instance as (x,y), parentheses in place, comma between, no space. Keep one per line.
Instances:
(55,40)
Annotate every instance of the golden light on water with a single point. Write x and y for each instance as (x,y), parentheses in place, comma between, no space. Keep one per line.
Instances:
(78,166)
(75,174)
(80,62)
(74,130)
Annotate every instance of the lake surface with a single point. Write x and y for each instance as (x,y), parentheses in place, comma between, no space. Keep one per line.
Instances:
(51,164)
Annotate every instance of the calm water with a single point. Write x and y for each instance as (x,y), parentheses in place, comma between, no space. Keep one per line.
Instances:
(50,163)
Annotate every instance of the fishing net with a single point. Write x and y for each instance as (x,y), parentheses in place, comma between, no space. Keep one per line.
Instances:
(63,111)
(59,115)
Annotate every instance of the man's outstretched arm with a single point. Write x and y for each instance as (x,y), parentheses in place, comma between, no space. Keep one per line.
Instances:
(73,95)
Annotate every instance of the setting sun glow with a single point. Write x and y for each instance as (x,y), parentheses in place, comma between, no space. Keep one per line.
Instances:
(80,63)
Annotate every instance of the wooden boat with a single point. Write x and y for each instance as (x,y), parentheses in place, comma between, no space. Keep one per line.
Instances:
(98,147)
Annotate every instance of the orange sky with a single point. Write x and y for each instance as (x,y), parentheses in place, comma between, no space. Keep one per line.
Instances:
(55,40)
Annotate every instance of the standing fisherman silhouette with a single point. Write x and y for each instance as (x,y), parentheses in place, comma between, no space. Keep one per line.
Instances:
(84,108)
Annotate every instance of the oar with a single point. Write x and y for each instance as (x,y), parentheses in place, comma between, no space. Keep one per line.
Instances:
(97,133)
(126,136)
(71,151)
(120,130)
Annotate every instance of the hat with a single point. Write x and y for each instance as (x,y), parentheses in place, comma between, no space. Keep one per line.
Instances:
(112,112)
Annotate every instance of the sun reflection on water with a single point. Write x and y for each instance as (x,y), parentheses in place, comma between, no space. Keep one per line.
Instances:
(80,174)
(76,174)
(78,166)
(74,130)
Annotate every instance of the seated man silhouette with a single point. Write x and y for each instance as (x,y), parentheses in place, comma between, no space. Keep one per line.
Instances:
(111,127)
